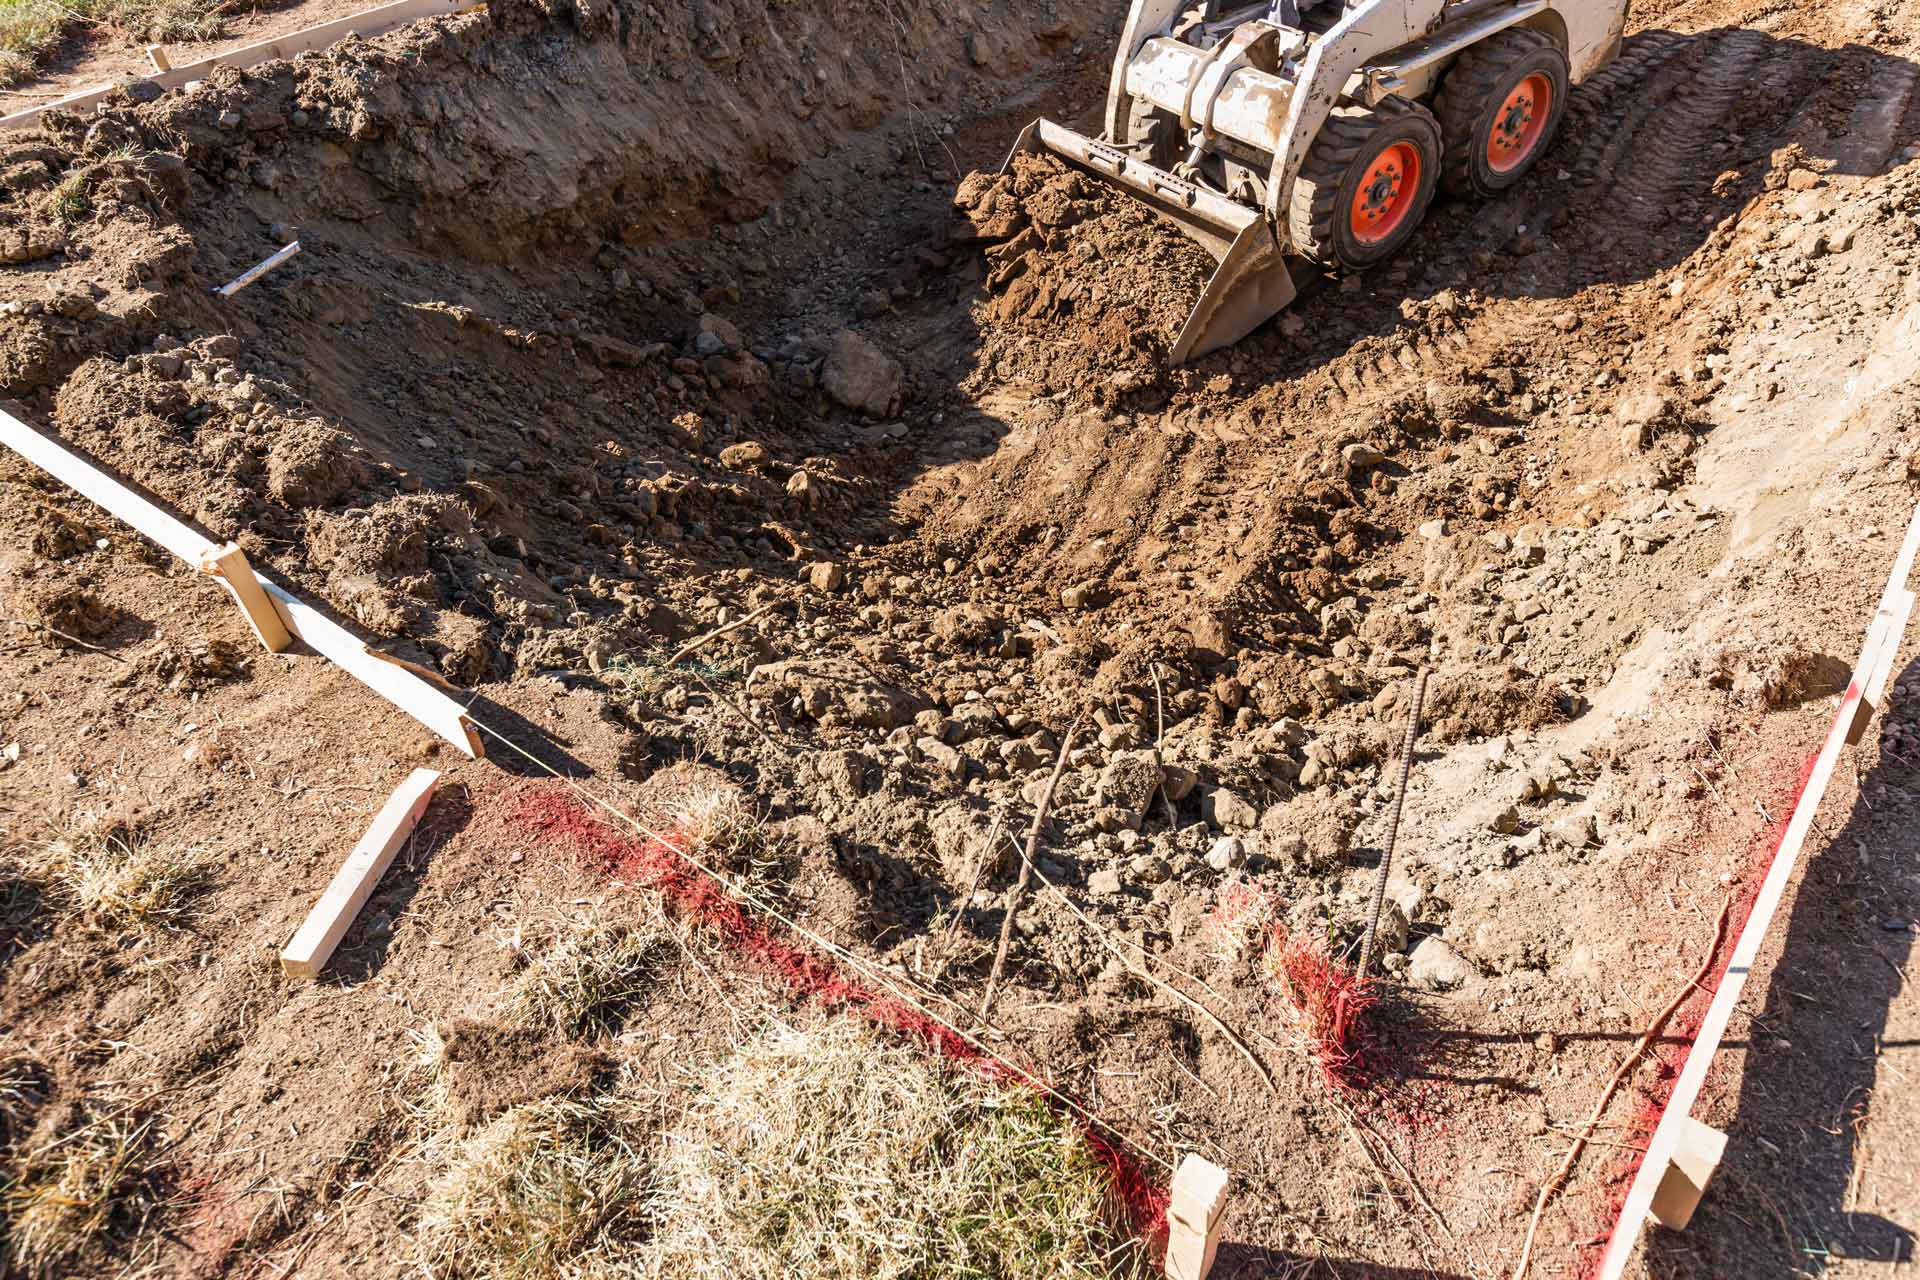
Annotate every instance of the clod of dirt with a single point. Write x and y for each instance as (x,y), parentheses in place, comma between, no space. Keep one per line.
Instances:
(1310,834)
(56,537)
(1090,278)
(312,465)
(490,1068)
(187,669)
(1778,676)
(837,690)
(73,610)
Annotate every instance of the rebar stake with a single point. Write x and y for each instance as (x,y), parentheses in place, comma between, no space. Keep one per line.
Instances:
(1393,827)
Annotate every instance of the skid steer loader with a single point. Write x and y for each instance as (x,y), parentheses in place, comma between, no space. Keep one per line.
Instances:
(1319,130)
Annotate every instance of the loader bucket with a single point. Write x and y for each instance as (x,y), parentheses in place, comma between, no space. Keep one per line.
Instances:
(1250,286)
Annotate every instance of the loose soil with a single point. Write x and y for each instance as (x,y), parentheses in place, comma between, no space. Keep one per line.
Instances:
(612,324)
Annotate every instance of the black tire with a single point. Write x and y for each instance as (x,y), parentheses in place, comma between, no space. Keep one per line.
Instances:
(1471,101)
(1320,216)
(1148,124)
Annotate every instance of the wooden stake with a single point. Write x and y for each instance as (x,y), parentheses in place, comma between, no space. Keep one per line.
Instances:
(1694,1160)
(1194,1217)
(229,564)
(352,885)
(367,23)
(157,55)
(393,680)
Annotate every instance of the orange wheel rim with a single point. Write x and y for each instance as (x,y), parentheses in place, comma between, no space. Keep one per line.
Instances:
(1519,124)
(1386,193)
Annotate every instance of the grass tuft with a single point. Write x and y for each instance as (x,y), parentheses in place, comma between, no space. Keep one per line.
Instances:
(68,1198)
(31,31)
(118,880)
(830,1152)
(545,1190)
(587,981)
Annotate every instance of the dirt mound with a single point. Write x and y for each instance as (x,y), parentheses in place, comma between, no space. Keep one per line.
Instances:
(1083,284)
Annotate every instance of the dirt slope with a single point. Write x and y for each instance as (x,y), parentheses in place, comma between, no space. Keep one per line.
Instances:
(612,325)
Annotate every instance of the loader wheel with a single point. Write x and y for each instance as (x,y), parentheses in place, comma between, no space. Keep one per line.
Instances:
(1499,108)
(1366,184)
(1159,130)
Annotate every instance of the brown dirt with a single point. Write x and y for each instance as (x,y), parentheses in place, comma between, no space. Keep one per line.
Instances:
(1622,456)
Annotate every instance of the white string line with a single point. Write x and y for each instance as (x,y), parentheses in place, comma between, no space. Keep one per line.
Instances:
(824,944)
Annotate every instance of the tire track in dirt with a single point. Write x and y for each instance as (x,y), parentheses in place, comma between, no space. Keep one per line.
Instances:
(1608,111)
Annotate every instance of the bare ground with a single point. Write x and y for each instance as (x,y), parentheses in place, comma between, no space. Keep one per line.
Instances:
(559,382)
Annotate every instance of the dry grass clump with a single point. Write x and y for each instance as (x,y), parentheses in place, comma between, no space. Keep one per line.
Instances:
(117,879)
(32,30)
(549,1189)
(62,1202)
(590,978)
(828,1152)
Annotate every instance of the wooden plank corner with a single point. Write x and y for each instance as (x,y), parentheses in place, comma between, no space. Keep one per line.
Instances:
(1695,1158)
(327,923)
(229,564)
(1195,1215)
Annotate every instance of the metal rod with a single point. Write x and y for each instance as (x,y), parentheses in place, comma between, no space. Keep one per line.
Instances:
(1393,826)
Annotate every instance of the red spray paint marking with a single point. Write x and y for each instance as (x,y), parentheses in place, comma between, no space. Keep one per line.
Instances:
(1333,1002)
(1685,1025)
(551,813)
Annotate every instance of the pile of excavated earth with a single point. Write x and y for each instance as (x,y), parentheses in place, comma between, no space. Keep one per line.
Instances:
(615,324)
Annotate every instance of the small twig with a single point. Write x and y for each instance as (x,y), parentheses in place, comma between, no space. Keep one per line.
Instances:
(988,853)
(1140,970)
(1159,733)
(1620,1073)
(737,710)
(1026,869)
(55,631)
(717,632)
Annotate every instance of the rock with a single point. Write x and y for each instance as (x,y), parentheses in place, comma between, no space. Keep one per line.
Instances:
(1361,457)
(744,456)
(862,377)
(1438,967)
(848,772)
(1567,321)
(715,334)
(1802,180)
(1128,783)
(827,576)
(1227,853)
(1078,597)
(1433,530)
(946,759)
(1212,638)
(1576,831)
(1506,821)
(1104,883)
(1178,782)
(1149,869)
(1019,756)
(1227,811)
(1394,929)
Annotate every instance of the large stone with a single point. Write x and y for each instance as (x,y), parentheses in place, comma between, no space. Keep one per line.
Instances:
(1228,811)
(1438,967)
(862,377)
(1128,783)
(1227,853)
(1309,834)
